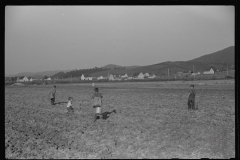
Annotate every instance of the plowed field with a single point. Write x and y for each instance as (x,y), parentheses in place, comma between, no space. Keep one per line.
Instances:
(152,121)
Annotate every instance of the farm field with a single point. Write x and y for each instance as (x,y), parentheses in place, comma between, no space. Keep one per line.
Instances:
(151,121)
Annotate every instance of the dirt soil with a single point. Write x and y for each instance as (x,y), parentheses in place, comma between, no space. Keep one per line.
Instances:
(151,121)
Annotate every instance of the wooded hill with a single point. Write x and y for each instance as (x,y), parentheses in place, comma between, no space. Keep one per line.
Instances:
(217,60)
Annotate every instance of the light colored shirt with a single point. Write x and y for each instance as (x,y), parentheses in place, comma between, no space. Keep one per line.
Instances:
(52,93)
(69,104)
(97,99)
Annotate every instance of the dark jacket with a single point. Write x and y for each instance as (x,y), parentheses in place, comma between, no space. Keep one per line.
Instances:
(192,94)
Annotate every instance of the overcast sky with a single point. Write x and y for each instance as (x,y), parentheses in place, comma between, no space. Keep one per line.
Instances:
(45,38)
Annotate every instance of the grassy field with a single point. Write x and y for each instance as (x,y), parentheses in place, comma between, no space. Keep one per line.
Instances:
(152,121)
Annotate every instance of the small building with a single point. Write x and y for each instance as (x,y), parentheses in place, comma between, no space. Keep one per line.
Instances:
(24,79)
(118,77)
(48,79)
(146,74)
(89,78)
(140,76)
(82,77)
(101,77)
(125,76)
(111,77)
(209,72)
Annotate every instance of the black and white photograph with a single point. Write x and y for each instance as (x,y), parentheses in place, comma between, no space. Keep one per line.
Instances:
(119,81)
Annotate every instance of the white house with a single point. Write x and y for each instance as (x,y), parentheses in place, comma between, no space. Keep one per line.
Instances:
(146,74)
(152,76)
(125,75)
(140,76)
(111,77)
(19,80)
(117,77)
(49,79)
(101,77)
(209,72)
(89,78)
(82,77)
(30,79)
(25,79)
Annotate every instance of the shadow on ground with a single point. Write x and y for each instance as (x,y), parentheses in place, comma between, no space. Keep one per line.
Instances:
(60,103)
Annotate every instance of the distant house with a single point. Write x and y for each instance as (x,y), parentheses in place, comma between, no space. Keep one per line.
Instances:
(125,76)
(118,77)
(146,74)
(101,77)
(30,79)
(48,79)
(24,79)
(209,72)
(89,78)
(152,76)
(82,77)
(111,77)
(140,76)
(129,77)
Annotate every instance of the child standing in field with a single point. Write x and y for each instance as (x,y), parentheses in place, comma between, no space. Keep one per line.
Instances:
(52,95)
(191,98)
(69,105)
(97,102)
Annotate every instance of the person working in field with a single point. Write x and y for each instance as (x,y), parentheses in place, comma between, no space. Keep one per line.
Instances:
(69,105)
(191,98)
(97,102)
(52,95)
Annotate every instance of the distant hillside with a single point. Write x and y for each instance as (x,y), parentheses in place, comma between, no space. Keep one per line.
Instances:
(114,66)
(217,60)
(37,74)
(225,56)
(78,73)
(131,67)
(162,68)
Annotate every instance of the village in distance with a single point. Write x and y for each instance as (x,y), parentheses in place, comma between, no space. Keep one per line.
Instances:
(217,65)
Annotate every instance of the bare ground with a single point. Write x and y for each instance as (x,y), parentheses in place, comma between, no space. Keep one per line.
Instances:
(152,121)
